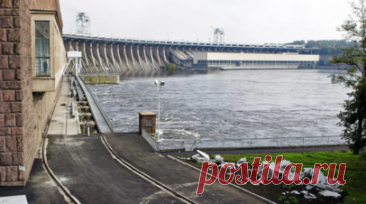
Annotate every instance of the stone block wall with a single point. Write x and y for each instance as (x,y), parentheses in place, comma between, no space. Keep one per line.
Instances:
(23,114)
(15,81)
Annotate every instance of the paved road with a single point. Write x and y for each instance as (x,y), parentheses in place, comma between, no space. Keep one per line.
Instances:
(87,169)
(134,149)
(251,151)
(40,189)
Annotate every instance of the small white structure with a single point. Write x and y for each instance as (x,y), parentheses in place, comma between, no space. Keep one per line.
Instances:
(206,156)
(327,193)
(201,157)
(74,55)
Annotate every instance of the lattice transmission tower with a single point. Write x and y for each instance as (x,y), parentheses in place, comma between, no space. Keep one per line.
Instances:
(82,23)
(219,35)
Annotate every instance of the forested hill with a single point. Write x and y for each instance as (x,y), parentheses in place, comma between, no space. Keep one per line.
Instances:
(327,47)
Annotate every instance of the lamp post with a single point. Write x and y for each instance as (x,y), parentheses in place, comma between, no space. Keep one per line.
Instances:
(111,119)
(159,85)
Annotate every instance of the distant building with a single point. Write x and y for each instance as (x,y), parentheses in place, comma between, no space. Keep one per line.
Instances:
(241,60)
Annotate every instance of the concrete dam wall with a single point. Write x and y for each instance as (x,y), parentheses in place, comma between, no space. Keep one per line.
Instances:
(119,57)
(103,54)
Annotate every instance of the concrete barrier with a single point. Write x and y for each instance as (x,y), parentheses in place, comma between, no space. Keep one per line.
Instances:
(156,55)
(162,54)
(98,62)
(136,53)
(150,56)
(129,51)
(104,58)
(89,53)
(112,54)
(124,56)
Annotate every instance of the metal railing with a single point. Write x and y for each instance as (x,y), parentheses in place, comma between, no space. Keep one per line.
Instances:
(79,91)
(105,116)
(149,139)
(73,110)
(190,145)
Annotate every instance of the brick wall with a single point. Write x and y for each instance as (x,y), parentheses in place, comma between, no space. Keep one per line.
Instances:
(23,114)
(14,83)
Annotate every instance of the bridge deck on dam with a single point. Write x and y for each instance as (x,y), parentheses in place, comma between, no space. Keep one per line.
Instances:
(102,54)
(180,43)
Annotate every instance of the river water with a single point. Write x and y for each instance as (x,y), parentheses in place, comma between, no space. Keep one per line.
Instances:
(229,104)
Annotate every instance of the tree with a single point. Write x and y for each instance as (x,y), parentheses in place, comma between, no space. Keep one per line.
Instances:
(353,118)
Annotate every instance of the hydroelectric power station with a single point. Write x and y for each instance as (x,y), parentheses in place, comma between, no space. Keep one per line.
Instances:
(118,55)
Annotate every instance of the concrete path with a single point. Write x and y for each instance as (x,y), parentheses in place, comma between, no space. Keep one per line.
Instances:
(134,149)
(40,189)
(61,122)
(86,168)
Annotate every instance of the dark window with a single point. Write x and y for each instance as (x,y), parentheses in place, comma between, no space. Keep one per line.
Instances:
(148,122)
(42,48)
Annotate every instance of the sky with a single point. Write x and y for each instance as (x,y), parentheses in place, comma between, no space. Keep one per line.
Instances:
(244,21)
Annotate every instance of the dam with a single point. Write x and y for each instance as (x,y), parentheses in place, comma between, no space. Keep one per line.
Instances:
(103,54)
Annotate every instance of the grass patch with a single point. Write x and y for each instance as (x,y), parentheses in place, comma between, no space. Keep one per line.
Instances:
(355,176)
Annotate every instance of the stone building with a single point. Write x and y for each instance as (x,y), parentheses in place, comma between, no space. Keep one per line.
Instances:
(32,61)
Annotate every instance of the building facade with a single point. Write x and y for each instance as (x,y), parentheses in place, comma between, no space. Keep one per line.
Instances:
(31,63)
(243,60)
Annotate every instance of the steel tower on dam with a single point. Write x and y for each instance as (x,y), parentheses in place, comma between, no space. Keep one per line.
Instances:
(101,54)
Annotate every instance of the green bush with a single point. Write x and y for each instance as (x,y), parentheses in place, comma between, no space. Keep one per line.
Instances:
(218,162)
(288,187)
(172,67)
(281,198)
(193,160)
(294,199)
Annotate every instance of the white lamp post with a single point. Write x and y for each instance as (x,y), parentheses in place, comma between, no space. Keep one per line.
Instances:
(159,85)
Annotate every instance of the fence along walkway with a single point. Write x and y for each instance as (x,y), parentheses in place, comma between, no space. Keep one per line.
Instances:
(191,144)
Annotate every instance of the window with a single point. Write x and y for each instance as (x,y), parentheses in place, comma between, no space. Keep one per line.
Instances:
(148,122)
(42,47)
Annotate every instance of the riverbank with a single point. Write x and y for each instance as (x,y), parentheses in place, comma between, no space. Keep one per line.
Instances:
(353,190)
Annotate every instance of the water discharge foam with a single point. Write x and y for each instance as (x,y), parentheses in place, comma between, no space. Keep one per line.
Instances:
(232,104)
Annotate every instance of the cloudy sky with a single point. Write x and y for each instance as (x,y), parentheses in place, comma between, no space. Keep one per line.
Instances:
(244,21)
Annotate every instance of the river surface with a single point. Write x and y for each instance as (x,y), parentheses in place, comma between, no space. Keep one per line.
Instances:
(229,104)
